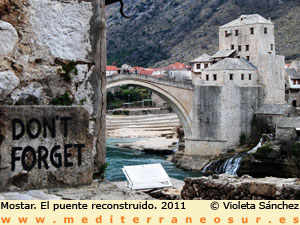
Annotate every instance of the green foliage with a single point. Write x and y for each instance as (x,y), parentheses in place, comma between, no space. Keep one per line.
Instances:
(67,69)
(62,100)
(243,139)
(263,151)
(258,127)
(231,150)
(126,94)
(82,101)
(296,149)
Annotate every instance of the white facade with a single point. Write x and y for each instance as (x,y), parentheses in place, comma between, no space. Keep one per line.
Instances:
(111,72)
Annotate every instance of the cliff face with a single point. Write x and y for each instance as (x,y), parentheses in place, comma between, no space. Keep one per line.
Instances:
(160,31)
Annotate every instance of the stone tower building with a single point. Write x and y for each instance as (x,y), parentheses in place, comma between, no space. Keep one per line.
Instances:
(250,36)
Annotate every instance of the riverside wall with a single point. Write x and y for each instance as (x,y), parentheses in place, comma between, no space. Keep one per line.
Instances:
(220,115)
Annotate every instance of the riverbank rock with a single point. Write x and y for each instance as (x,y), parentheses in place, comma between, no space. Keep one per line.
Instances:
(277,159)
(227,187)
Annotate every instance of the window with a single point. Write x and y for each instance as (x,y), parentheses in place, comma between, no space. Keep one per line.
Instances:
(240,48)
(298,81)
(198,66)
(250,76)
(294,82)
(242,76)
(248,58)
(207,76)
(205,65)
(247,48)
(251,30)
(215,76)
(238,57)
(226,33)
(230,76)
(294,103)
(266,30)
(236,32)
(232,47)
(272,47)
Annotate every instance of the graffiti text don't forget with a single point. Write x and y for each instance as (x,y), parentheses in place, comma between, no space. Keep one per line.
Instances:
(46,131)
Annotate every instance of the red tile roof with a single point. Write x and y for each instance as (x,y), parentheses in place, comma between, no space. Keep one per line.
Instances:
(146,71)
(177,66)
(112,68)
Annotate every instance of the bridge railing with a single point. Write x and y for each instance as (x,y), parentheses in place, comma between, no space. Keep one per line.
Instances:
(186,84)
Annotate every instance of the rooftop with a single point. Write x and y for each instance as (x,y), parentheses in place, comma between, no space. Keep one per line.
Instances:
(111,68)
(203,58)
(295,65)
(223,53)
(292,73)
(177,66)
(231,64)
(276,109)
(288,122)
(247,20)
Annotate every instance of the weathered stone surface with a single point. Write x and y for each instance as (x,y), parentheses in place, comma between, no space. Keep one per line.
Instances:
(8,82)
(227,187)
(70,24)
(45,146)
(31,94)
(8,38)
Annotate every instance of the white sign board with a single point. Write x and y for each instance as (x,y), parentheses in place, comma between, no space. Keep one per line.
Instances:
(146,176)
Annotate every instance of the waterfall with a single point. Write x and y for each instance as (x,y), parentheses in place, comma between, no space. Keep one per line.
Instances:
(253,150)
(204,170)
(231,165)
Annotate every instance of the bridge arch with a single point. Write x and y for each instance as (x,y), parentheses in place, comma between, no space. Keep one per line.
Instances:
(169,98)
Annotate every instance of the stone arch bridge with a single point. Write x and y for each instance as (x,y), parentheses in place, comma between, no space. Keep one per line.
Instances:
(177,95)
(213,117)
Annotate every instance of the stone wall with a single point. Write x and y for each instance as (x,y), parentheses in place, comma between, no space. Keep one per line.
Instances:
(226,187)
(54,51)
(272,76)
(220,115)
(259,43)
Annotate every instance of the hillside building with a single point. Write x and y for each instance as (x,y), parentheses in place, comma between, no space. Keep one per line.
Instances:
(293,84)
(111,70)
(250,36)
(246,57)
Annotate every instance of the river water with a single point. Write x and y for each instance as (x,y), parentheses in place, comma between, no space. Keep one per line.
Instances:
(117,158)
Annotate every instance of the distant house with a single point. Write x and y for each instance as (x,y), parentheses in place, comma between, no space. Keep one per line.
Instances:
(232,71)
(159,72)
(201,63)
(178,71)
(136,70)
(288,128)
(272,112)
(147,71)
(111,70)
(293,84)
